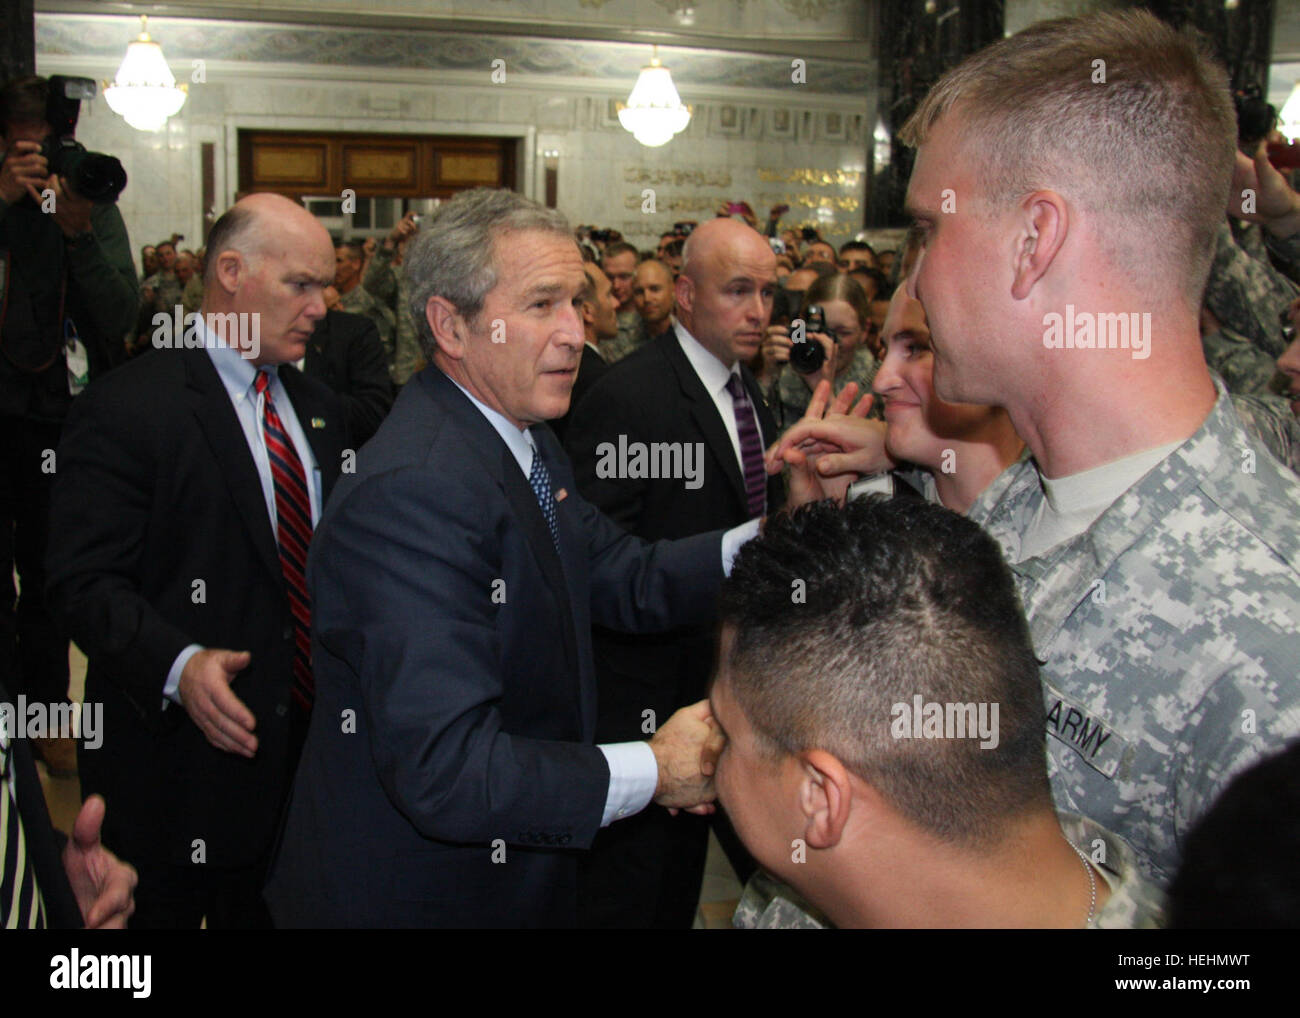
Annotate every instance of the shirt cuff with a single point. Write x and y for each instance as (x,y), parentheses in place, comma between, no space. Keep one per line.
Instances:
(873,484)
(633,778)
(733,539)
(173,683)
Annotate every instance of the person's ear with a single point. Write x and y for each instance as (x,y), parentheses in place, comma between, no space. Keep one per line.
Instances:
(684,291)
(447,326)
(1042,222)
(588,313)
(231,268)
(825,798)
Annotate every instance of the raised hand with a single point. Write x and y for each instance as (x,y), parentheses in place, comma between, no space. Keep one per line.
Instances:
(686,749)
(210,702)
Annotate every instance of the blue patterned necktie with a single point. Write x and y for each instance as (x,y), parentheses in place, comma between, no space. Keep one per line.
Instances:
(539,479)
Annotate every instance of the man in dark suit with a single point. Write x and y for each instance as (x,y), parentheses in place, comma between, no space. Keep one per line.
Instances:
(449,776)
(48,881)
(675,390)
(345,353)
(207,468)
(599,324)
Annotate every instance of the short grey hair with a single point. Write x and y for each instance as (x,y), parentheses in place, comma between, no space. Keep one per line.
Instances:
(454,257)
(239,229)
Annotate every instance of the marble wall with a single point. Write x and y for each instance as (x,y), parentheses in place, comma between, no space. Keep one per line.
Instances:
(756,135)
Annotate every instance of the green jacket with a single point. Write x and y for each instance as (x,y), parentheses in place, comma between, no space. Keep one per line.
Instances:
(100,299)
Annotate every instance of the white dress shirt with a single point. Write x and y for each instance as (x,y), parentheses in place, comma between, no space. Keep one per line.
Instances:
(238,375)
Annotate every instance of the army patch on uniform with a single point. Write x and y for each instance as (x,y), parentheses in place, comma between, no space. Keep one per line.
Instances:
(1101,747)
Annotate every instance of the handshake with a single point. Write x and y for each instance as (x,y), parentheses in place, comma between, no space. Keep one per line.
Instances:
(686,749)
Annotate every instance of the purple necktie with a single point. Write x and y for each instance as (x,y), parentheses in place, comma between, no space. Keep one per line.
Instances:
(751,447)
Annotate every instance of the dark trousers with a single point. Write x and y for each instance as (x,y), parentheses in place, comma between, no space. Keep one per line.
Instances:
(170,897)
(33,648)
(646,872)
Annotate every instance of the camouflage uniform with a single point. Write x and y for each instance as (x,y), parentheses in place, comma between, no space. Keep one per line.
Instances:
(1285,249)
(1271,420)
(771,904)
(192,296)
(1244,367)
(361,301)
(1260,245)
(166,290)
(789,397)
(1248,295)
(1134,902)
(631,334)
(389,286)
(1169,632)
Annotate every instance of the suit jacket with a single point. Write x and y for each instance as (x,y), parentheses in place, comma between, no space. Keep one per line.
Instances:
(449,773)
(43,843)
(655,395)
(162,539)
(345,353)
(590,371)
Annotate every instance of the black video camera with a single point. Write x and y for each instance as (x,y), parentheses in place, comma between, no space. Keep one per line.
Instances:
(93,175)
(808,356)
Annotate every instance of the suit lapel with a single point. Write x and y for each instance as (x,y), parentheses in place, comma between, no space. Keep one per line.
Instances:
(577,601)
(704,412)
(318,422)
(501,463)
(217,420)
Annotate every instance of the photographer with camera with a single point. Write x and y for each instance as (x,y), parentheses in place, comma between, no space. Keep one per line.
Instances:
(69,297)
(836,319)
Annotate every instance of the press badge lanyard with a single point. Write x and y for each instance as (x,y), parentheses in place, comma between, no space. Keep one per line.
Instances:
(78,360)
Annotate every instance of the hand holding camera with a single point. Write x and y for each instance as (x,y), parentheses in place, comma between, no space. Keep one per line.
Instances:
(814,355)
(775,351)
(24,171)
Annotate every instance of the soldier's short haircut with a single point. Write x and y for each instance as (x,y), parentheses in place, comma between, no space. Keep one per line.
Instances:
(1119,113)
(856,245)
(588,292)
(455,255)
(662,266)
(840,614)
(355,251)
(617,248)
(238,229)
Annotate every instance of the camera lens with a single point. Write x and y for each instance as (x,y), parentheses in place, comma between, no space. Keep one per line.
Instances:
(807,355)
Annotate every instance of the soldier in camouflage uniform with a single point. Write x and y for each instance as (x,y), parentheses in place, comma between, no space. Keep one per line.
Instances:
(904,601)
(1134,903)
(1244,367)
(1247,296)
(389,285)
(1272,421)
(1168,632)
(167,292)
(789,396)
(354,297)
(1152,539)
(631,334)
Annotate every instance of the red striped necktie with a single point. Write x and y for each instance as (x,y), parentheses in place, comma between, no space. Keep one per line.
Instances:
(292,534)
(751,447)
